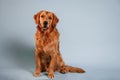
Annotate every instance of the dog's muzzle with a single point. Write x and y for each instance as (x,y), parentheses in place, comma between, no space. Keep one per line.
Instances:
(45,25)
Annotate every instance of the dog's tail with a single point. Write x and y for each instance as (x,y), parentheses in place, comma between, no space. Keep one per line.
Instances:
(67,68)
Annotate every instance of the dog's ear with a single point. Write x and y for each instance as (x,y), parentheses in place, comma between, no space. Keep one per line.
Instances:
(37,16)
(55,20)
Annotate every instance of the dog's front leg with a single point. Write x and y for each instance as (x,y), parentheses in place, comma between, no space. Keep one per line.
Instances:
(51,67)
(38,63)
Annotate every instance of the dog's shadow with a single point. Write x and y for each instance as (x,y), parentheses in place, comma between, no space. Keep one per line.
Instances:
(23,56)
(21,53)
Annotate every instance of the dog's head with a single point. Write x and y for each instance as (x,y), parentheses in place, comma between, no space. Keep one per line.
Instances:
(46,20)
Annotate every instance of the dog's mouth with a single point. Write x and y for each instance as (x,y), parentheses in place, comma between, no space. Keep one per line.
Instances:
(44,28)
(45,25)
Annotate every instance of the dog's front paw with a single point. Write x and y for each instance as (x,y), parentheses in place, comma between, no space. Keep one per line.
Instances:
(51,75)
(36,74)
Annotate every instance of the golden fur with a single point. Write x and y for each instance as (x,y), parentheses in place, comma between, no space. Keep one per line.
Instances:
(47,54)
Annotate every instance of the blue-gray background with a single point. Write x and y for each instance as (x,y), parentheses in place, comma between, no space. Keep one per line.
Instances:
(90,38)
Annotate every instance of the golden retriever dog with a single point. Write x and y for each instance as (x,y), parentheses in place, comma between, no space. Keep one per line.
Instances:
(47,54)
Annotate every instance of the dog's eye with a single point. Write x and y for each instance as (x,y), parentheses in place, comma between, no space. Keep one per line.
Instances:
(50,17)
(42,16)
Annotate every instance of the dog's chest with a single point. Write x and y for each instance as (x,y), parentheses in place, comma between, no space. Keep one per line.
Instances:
(45,38)
(45,42)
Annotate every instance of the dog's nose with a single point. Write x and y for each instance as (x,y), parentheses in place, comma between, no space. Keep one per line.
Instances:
(45,23)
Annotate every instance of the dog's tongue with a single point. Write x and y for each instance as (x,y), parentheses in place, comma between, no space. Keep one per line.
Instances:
(45,28)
